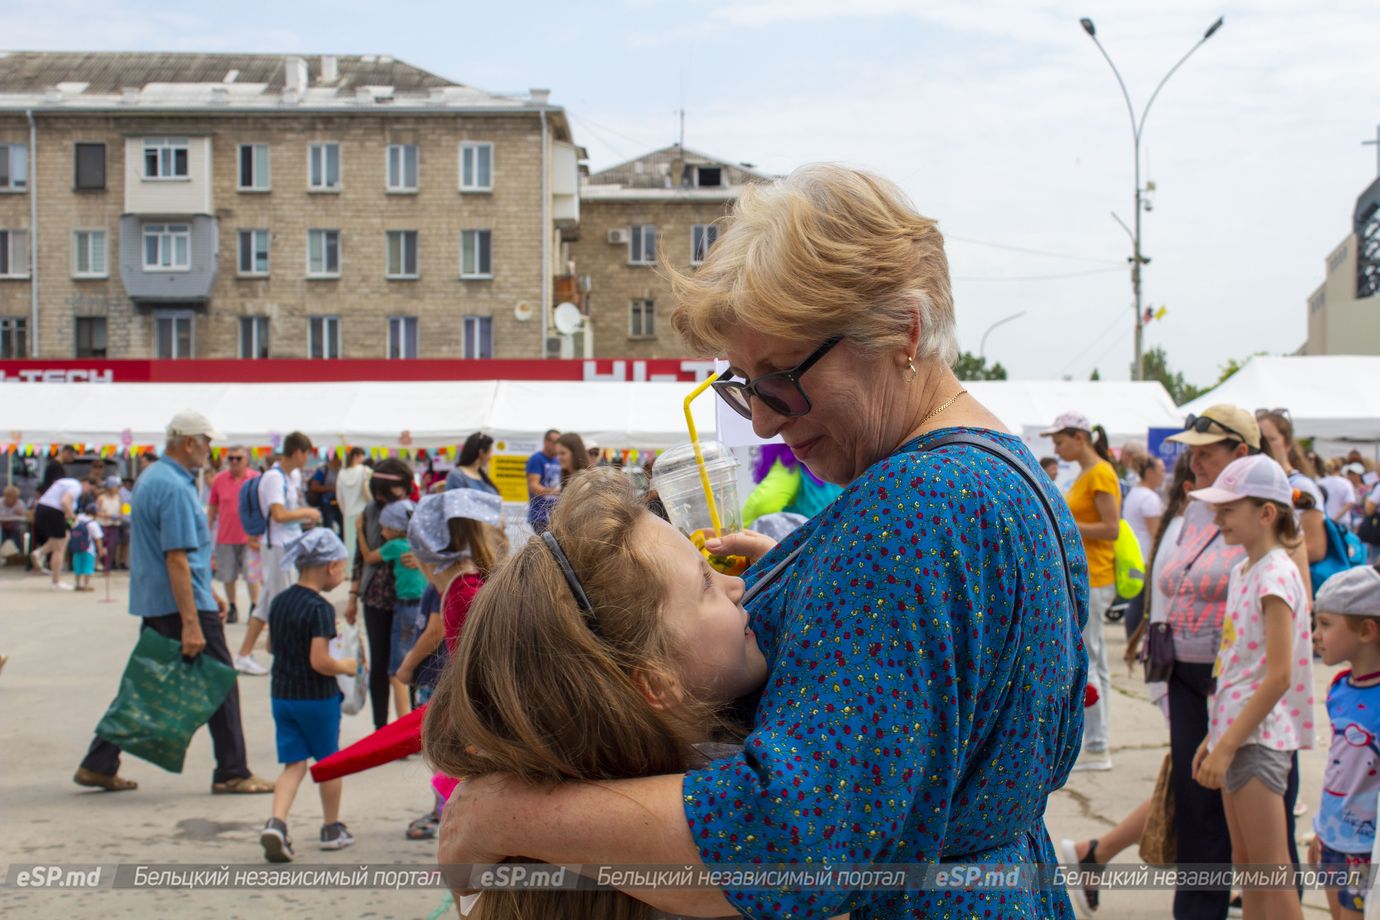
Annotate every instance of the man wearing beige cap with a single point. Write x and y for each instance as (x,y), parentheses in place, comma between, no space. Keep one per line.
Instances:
(170,590)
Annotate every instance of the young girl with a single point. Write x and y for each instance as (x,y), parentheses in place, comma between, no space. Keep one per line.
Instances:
(409,584)
(1262,709)
(455,538)
(606,648)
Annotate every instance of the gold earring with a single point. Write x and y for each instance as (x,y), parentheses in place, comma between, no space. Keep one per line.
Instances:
(910,363)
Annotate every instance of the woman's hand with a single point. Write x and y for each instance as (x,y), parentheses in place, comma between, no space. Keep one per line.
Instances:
(467,831)
(747,543)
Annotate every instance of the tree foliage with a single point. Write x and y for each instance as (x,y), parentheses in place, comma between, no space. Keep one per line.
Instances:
(1157,368)
(972,367)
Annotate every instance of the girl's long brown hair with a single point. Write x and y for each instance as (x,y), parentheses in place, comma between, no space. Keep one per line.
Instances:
(536,692)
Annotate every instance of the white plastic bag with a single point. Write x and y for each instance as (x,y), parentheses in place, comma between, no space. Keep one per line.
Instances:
(355,687)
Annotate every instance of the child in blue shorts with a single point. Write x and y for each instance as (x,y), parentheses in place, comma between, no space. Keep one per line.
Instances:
(1348,630)
(303,689)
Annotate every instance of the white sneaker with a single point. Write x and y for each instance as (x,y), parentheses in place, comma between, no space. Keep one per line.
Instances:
(1093,761)
(246,664)
(62,586)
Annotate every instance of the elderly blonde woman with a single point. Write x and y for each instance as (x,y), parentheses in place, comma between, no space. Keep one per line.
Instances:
(927,679)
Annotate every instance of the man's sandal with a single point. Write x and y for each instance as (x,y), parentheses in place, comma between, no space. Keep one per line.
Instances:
(85,777)
(242,785)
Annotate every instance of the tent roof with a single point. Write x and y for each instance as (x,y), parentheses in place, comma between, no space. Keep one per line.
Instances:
(1333,398)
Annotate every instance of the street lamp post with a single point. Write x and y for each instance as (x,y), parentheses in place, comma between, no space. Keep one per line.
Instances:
(1137,131)
(982,344)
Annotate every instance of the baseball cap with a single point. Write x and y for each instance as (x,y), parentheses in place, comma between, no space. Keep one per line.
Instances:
(1352,592)
(1356,468)
(1067,420)
(1219,423)
(1256,476)
(188,423)
(112,482)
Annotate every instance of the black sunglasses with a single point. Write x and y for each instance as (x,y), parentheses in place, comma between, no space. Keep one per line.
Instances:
(1203,425)
(779,391)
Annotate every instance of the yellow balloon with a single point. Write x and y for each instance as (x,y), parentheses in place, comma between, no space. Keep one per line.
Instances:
(124,509)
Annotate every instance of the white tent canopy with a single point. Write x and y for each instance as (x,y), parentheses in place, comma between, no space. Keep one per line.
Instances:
(641,415)
(1334,399)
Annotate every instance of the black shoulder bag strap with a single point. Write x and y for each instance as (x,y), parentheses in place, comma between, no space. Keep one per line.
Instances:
(1011,459)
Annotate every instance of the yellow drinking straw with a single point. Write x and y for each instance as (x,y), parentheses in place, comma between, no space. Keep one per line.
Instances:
(699,454)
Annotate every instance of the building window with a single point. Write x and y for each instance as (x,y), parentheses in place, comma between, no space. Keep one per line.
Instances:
(702,236)
(477,339)
(476,167)
(14,253)
(89,168)
(173,335)
(14,167)
(254,174)
(476,254)
(253,258)
(323,337)
(708,177)
(402,336)
(402,254)
(14,337)
(253,336)
(89,254)
(642,244)
(642,319)
(323,161)
(323,253)
(402,167)
(165,158)
(167,247)
(91,342)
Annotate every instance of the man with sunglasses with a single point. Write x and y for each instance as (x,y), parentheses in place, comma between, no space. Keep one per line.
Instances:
(231,540)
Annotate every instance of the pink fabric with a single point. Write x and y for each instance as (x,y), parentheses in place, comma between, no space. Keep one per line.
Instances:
(225,495)
(444,785)
(1241,660)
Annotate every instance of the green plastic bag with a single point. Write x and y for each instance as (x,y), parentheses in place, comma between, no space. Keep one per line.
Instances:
(163,700)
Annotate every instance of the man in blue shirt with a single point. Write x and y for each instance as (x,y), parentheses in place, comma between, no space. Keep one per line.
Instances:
(170,589)
(543,481)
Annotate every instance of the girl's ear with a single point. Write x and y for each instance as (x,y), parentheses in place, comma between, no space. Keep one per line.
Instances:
(661,691)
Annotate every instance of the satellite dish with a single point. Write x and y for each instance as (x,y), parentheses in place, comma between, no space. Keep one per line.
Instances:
(523,312)
(568,318)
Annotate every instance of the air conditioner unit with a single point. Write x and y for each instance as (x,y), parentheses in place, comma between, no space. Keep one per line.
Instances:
(618,237)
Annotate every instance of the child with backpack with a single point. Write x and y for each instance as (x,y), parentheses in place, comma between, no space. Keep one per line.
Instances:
(84,542)
(303,688)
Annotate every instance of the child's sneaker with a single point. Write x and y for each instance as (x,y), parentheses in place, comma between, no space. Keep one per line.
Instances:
(335,836)
(276,842)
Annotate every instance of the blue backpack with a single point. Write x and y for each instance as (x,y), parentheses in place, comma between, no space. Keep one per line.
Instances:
(252,517)
(79,538)
(1344,551)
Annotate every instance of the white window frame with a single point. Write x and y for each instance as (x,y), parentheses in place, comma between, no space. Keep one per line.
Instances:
(404,331)
(325,270)
(402,236)
(472,337)
(16,252)
(167,236)
(165,150)
(254,236)
(13,328)
(486,236)
(176,317)
(333,333)
(719,184)
(710,233)
(397,156)
(642,318)
(15,183)
(637,244)
(320,150)
(470,151)
(84,243)
(258,183)
(259,328)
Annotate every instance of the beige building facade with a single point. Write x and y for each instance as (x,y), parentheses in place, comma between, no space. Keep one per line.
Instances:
(1344,312)
(244,206)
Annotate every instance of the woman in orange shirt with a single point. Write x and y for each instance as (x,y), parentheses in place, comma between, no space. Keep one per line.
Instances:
(1095,500)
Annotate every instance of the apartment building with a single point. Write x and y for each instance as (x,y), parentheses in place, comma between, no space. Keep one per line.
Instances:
(663,203)
(1344,312)
(255,206)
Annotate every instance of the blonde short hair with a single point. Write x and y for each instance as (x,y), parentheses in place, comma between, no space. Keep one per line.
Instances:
(827,251)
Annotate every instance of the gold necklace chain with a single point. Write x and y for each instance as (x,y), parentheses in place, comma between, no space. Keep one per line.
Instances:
(946,404)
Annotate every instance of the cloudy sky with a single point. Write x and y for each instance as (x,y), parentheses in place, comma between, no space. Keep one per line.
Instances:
(1000,118)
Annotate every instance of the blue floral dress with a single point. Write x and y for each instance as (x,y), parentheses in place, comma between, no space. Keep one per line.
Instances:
(925,694)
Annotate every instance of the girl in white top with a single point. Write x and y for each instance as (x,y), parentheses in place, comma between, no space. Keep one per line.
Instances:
(1262,710)
(1144,507)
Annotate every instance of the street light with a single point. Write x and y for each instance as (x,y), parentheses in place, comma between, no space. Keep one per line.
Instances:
(982,344)
(1137,131)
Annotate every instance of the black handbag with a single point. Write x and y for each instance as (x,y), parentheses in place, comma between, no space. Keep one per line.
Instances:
(1157,652)
(1368,530)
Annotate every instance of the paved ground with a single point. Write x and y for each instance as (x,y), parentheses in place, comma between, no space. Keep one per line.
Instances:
(66,654)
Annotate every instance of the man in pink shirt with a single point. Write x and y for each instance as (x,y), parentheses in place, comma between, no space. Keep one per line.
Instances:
(232,542)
